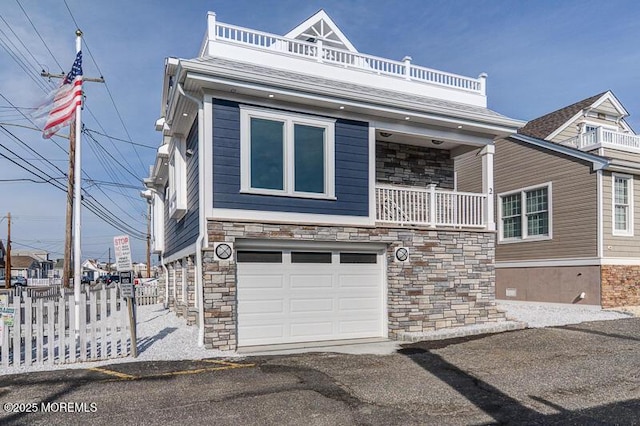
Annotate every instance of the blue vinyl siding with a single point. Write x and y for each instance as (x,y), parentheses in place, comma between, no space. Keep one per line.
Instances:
(351,170)
(181,234)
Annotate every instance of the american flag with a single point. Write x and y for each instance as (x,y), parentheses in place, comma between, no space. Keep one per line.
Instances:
(66,99)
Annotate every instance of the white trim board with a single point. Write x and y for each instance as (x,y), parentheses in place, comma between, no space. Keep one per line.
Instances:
(236,215)
(552,263)
(181,254)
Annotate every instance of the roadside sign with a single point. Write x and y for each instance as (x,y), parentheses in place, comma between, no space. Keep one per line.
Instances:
(122,248)
(127,291)
(7,315)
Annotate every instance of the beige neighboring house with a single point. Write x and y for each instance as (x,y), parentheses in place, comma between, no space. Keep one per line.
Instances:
(568,207)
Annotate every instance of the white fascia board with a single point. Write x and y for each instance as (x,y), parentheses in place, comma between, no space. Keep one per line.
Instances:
(185,252)
(565,125)
(609,96)
(497,126)
(597,162)
(237,215)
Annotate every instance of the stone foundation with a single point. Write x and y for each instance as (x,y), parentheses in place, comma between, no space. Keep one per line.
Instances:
(620,285)
(448,281)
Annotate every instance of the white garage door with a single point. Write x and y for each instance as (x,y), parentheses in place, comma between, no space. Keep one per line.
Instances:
(292,296)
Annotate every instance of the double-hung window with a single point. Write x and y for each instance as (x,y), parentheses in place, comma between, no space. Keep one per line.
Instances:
(622,205)
(526,214)
(286,154)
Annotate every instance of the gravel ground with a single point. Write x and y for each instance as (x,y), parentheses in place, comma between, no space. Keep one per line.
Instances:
(537,314)
(164,337)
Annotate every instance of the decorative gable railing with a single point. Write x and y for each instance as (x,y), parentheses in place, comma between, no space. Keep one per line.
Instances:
(604,137)
(343,58)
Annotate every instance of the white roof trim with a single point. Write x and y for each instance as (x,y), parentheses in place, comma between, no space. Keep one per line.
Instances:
(597,162)
(616,103)
(607,96)
(328,29)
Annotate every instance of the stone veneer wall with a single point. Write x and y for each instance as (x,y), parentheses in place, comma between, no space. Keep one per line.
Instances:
(191,310)
(448,282)
(171,303)
(620,285)
(413,165)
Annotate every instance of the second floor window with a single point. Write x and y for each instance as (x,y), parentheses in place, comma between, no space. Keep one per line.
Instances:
(622,206)
(286,154)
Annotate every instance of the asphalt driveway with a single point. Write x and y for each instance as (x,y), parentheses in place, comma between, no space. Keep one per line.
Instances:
(579,374)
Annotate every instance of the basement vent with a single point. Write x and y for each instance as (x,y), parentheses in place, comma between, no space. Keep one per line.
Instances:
(511,292)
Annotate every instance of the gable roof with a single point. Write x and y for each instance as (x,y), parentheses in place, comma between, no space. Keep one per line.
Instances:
(321,26)
(544,126)
(22,262)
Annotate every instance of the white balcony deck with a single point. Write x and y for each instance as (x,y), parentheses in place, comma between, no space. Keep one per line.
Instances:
(429,207)
(605,138)
(230,41)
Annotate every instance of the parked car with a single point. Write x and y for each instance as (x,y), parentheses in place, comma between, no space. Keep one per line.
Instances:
(113,278)
(18,282)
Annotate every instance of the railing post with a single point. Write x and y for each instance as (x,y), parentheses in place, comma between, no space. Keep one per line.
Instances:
(407,67)
(319,46)
(211,26)
(599,135)
(432,205)
(483,83)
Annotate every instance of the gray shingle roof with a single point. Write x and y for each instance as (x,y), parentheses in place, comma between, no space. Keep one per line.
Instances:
(543,126)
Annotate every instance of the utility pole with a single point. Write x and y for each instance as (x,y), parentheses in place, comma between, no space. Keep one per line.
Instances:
(66,268)
(109,263)
(7,265)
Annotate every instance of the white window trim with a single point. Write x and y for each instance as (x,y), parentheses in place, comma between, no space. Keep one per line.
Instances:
(629,232)
(177,178)
(158,222)
(290,119)
(525,237)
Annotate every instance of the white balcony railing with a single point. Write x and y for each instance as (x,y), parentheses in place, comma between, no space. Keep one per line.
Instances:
(604,137)
(429,207)
(351,60)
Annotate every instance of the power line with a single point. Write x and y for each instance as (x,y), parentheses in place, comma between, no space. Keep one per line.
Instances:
(122,140)
(38,33)
(106,85)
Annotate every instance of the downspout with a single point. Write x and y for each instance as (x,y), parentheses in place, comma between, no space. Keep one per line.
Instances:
(166,282)
(201,214)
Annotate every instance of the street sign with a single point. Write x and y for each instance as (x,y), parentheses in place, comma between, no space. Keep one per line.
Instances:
(123,253)
(127,291)
(126,285)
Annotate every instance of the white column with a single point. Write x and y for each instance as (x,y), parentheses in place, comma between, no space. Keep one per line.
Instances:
(487,185)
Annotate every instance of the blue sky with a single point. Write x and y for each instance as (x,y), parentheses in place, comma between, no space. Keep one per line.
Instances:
(540,56)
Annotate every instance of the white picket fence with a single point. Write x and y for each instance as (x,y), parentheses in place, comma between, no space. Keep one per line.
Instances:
(44,332)
(147,294)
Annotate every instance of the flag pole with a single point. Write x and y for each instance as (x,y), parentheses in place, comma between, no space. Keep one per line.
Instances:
(77,202)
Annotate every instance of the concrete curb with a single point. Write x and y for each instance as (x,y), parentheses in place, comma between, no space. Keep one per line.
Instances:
(465,331)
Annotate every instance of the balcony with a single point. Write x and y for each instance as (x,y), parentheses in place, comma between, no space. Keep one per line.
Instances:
(430,207)
(605,138)
(243,44)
